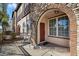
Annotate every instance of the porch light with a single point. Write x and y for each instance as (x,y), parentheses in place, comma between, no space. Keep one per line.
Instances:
(56,11)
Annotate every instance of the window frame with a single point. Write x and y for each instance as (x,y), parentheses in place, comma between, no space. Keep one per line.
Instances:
(56,18)
(52,27)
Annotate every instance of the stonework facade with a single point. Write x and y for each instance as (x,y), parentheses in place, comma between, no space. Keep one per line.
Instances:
(38,12)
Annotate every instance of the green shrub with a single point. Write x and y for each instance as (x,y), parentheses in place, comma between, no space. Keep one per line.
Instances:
(7,32)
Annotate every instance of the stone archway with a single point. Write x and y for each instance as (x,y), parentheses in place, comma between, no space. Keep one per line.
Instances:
(73,25)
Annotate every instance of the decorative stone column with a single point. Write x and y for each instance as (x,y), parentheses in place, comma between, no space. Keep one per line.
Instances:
(73,38)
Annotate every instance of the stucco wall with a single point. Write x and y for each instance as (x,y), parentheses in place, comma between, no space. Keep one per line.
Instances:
(20,10)
(23,20)
(21,24)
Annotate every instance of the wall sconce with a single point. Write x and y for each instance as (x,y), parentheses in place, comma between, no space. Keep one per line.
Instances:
(56,11)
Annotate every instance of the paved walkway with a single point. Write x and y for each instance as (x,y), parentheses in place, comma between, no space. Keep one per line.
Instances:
(18,48)
(47,50)
(10,48)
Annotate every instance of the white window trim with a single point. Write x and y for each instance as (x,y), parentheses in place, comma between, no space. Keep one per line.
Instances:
(56,27)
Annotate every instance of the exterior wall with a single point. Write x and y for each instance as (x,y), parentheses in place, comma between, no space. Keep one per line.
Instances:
(23,20)
(20,10)
(73,25)
(37,13)
(76,11)
(77,16)
(14,21)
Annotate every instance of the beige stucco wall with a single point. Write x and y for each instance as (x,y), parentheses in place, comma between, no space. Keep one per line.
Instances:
(23,20)
(14,23)
(20,10)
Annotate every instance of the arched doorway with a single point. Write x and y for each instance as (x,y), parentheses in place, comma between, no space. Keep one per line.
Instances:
(56,11)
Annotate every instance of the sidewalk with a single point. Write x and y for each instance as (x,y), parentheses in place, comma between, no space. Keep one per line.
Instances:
(11,49)
(46,51)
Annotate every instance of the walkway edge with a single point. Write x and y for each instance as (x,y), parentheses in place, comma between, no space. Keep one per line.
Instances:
(24,51)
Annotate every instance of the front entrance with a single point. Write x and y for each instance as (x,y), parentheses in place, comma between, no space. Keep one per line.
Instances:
(53,11)
(42,32)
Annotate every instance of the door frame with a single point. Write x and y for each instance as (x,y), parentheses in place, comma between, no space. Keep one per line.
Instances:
(40,32)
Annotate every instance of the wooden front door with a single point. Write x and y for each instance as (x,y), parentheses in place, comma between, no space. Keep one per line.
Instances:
(42,32)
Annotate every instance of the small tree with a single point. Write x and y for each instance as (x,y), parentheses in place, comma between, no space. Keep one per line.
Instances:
(4,20)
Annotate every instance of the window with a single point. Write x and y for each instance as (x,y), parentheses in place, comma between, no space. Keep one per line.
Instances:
(24,24)
(52,27)
(27,28)
(63,26)
(24,27)
(59,27)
